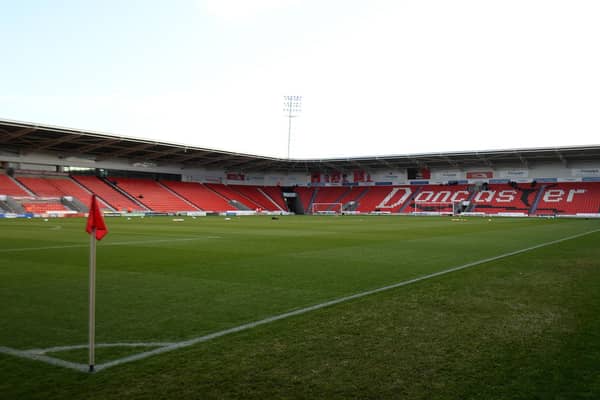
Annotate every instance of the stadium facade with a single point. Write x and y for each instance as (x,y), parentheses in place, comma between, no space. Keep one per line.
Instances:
(47,170)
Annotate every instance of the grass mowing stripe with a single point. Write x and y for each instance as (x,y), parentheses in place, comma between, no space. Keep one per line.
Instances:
(326,304)
(185,343)
(134,242)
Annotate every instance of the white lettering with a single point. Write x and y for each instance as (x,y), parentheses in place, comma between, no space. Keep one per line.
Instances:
(485,196)
(389,197)
(506,196)
(572,194)
(554,195)
(426,194)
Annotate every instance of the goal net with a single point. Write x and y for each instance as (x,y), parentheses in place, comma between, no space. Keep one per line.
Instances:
(326,208)
(437,207)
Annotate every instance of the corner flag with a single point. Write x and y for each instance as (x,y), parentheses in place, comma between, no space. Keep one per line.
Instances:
(95,221)
(97,229)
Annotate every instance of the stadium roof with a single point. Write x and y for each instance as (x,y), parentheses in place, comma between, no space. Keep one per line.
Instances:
(23,137)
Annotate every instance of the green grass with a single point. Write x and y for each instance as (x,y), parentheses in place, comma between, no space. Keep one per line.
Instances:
(521,327)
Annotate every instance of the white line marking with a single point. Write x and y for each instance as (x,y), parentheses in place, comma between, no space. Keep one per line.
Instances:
(46,359)
(85,346)
(134,242)
(190,342)
(250,325)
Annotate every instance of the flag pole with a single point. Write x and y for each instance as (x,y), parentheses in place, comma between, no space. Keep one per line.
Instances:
(92,311)
(96,227)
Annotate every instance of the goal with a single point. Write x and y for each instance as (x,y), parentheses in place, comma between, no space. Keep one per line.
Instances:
(326,208)
(437,207)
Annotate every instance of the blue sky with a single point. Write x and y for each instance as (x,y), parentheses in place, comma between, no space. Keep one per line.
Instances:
(377,77)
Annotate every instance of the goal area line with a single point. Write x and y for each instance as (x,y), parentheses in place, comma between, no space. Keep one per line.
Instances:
(39,354)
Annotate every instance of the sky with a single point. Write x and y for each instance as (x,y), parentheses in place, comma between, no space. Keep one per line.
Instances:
(377,77)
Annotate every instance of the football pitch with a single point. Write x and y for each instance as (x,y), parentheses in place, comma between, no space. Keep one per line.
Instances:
(303,307)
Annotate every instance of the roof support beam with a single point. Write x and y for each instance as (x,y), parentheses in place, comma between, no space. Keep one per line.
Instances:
(53,142)
(215,160)
(17,134)
(127,151)
(251,164)
(166,153)
(98,145)
(191,155)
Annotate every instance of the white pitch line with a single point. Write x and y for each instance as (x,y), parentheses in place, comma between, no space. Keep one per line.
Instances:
(134,242)
(85,346)
(250,325)
(44,358)
(190,342)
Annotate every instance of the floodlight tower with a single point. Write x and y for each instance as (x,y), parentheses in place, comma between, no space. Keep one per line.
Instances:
(292,105)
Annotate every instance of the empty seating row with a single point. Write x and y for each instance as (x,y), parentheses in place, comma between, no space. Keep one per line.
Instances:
(40,208)
(55,187)
(257,196)
(108,194)
(384,198)
(201,196)
(274,193)
(10,188)
(556,199)
(305,196)
(499,198)
(135,194)
(153,195)
(570,198)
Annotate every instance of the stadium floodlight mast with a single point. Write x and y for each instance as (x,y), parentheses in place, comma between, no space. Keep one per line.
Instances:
(292,105)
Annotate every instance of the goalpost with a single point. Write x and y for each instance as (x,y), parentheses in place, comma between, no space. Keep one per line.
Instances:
(326,208)
(437,207)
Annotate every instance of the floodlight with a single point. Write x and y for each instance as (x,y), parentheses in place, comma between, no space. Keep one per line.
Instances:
(292,106)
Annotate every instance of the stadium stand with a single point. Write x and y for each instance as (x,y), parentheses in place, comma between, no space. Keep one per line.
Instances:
(330,194)
(153,195)
(506,198)
(385,198)
(429,197)
(39,194)
(43,207)
(350,199)
(108,194)
(257,195)
(305,195)
(56,187)
(199,195)
(275,194)
(231,194)
(40,186)
(11,188)
(569,198)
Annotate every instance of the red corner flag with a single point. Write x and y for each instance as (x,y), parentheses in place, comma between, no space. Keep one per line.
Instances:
(96,220)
